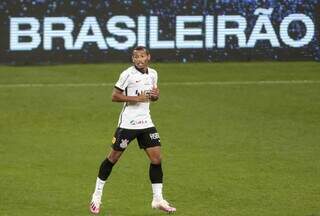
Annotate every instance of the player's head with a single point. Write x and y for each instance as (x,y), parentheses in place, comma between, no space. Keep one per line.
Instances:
(141,57)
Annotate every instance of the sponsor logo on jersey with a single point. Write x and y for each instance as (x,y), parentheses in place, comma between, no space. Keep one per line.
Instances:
(154,136)
(133,122)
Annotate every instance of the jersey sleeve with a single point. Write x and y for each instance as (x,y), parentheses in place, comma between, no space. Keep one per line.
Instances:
(155,79)
(122,83)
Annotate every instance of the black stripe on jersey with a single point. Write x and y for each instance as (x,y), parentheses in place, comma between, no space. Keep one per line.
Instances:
(119,88)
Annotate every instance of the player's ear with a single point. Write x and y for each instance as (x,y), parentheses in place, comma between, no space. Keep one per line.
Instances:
(149,57)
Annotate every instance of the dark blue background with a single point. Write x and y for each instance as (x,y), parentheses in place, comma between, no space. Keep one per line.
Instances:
(167,10)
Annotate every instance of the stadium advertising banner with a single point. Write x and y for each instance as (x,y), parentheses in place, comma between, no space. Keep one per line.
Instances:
(41,31)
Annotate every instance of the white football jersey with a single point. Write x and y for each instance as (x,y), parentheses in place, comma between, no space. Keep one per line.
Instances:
(132,82)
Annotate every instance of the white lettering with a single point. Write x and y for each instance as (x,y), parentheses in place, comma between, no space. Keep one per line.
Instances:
(129,34)
(142,37)
(90,23)
(16,33)
(49,33)
(191,32)
(209,41)
(154,40)
(182,31)
(239,32)
(284,26)
(263,22)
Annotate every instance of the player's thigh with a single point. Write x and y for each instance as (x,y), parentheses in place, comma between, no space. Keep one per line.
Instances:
(122,137)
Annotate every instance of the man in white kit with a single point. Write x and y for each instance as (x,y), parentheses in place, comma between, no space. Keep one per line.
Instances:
(136,87)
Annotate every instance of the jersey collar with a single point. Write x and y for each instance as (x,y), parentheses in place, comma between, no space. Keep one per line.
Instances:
(141,71)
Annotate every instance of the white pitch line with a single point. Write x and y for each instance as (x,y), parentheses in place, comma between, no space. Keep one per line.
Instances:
(266,82)
(28,85)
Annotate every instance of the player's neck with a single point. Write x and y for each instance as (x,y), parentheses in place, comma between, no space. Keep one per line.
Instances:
(142,70)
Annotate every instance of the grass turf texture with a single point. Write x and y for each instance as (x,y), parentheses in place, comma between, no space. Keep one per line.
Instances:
(228,149)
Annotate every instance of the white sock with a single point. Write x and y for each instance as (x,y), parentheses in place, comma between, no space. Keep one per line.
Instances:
(157,191)
(99,187)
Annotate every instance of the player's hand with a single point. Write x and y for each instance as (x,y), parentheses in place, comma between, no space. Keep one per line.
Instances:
(154,93)
(143,97)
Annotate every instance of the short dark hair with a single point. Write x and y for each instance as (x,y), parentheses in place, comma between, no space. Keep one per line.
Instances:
(141,48)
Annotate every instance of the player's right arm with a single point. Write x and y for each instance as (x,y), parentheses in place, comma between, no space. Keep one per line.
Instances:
(118,96)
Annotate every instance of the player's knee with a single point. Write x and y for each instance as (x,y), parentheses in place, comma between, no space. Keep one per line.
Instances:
(156,160)
(113,157)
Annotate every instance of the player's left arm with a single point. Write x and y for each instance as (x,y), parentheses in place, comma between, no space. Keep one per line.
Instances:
(154,93)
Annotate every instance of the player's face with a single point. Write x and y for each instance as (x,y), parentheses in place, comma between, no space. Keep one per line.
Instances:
(140,59)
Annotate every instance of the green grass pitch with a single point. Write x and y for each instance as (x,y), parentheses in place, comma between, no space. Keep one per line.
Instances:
(232,145)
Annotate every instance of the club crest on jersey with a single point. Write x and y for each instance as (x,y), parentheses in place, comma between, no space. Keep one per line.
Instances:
(124,143)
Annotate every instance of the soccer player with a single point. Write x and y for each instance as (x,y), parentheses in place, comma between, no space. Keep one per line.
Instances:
(136,87)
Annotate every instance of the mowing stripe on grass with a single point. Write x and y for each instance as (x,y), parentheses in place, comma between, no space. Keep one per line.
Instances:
(262,82)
